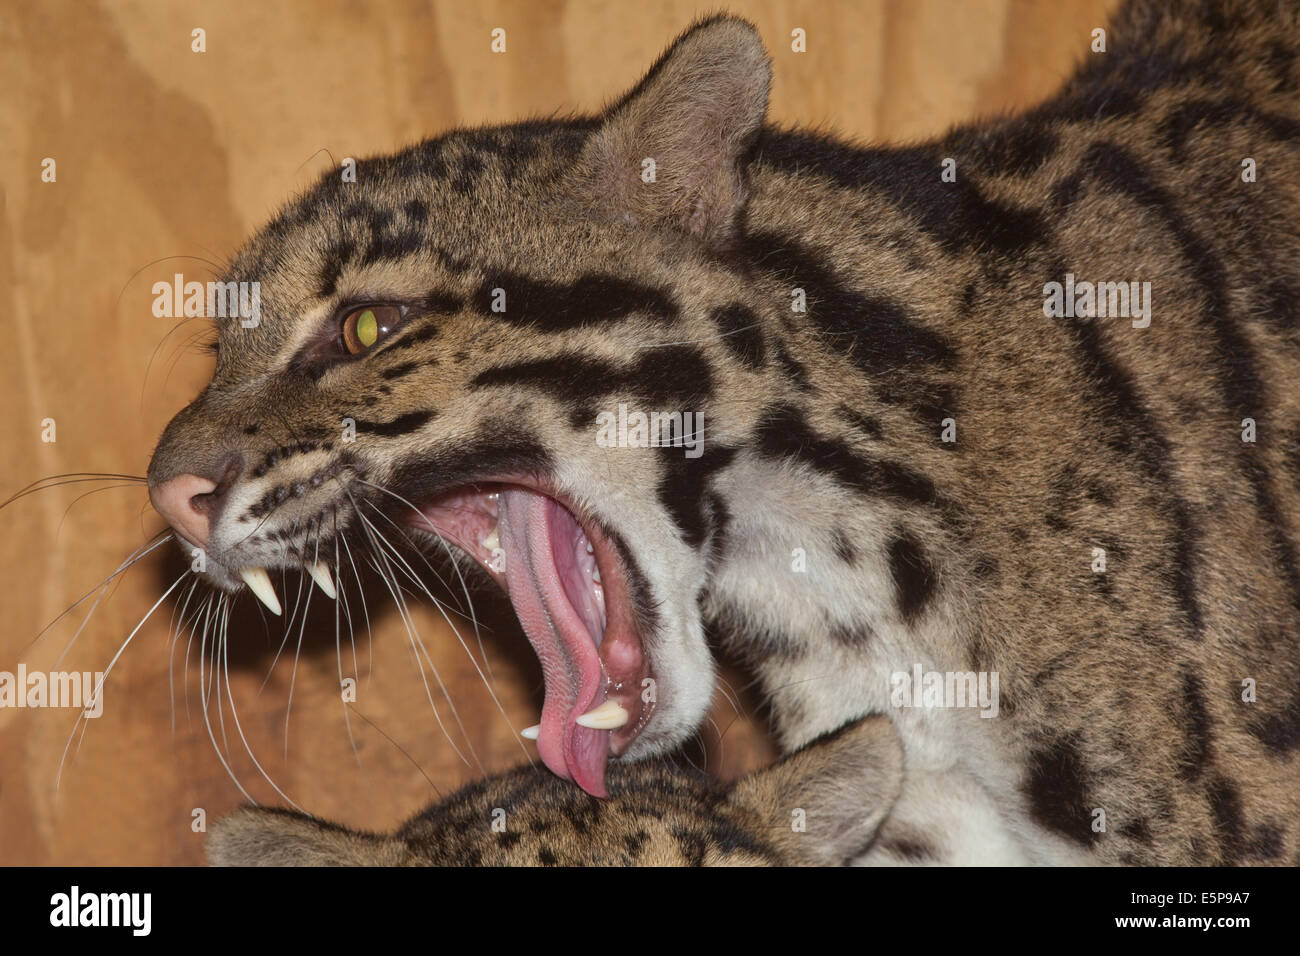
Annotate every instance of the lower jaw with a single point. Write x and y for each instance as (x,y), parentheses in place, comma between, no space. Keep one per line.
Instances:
(511,530)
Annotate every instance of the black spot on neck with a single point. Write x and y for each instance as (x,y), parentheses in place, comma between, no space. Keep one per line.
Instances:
(914,576)
(1057,786)
(684,485)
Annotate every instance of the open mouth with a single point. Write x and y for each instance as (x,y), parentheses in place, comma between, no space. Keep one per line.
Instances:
(569,587)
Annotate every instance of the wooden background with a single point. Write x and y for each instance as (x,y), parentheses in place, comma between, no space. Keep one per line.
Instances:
(164,152)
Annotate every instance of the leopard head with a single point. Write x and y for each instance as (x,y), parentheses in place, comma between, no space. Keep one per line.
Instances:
(458,340)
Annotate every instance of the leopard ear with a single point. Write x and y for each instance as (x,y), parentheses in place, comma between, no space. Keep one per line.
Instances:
(259,836)
(823,804)
(673,149)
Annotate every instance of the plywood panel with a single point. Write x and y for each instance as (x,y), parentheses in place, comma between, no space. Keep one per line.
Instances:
(165,159)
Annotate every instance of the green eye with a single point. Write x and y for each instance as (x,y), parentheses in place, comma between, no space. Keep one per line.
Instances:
(366,326)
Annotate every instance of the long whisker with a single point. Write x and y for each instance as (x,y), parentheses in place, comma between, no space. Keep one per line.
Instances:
(189,644)
(234,713)
(486,682)
(293,674)
(175,632)
(99,685)
(214,672)
(58,481)
(361,592)
(67,511)
(469,601)
(153,356)
(402,750)
(101,588)
(394,590)
(451,704)
(338,648)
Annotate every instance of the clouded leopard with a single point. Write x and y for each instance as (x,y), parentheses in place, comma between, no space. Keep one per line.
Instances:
(1017,403)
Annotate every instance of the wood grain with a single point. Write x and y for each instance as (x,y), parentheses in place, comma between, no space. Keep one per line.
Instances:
(166,158)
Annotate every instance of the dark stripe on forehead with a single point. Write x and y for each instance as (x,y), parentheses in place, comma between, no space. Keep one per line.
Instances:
(874,332)
(392,245)
(401,425)
(675,375)
(557,307)
(783,432)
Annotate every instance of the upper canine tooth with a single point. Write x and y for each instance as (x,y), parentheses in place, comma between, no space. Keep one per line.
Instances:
(321,575)
(531,733)
(607,716)
(259,582)
(492,541)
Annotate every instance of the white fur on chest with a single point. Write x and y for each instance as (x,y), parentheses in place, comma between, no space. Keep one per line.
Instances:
(841,642)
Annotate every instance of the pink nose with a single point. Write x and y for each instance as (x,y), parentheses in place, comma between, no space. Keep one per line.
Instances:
(174,499)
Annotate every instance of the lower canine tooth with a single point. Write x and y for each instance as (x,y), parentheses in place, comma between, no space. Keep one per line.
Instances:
(492,541)
(321,575)
(531,733)
(259,582)
(607,716)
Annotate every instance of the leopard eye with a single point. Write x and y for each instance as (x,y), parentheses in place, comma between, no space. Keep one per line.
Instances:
(363,327)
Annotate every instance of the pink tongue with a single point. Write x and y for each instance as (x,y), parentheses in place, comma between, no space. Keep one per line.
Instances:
(531,527)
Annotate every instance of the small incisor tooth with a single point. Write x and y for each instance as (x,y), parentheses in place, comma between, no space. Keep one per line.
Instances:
(321,575)
(531,733)
(259,582)
(608,716)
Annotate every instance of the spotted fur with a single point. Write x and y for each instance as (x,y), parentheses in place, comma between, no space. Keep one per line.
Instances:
(828,534)
(819,806)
